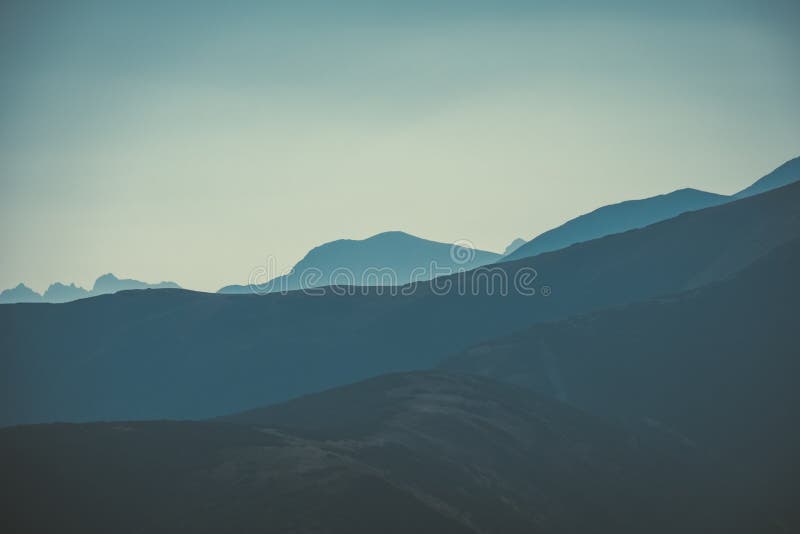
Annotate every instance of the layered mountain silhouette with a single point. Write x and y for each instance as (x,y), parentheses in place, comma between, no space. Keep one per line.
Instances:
(58,292)
(157,354)
(639,381)
(422,452)
(386,259)
(717,364)
(634,214)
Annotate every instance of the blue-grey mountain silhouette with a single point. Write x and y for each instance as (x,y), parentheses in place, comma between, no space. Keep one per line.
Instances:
(108,283)
(157,354)
(60,293)
(424,452)
(786,174)
(514,245)
(634,214)
(20,293)
(617,218)
(386,259)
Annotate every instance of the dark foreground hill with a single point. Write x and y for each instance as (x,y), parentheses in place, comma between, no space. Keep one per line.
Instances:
(178,354)
(420,452)
(718,364)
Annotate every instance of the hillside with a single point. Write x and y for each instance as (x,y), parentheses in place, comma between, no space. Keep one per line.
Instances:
(717,364)
(428,452)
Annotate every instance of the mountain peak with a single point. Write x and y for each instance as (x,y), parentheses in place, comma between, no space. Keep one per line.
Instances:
(689,191)
(58,292)
(108,277)
(389,258)
(20,293)
(514,245)
(392,234)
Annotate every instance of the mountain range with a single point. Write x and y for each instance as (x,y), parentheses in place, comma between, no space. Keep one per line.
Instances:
(156,354)
(58,292)
(633,214)
(395,258)
(386,259)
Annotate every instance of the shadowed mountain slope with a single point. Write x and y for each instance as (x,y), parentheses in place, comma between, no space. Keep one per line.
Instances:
(718,364)
(421,452)
(386,259)
(178,354)
(633,214)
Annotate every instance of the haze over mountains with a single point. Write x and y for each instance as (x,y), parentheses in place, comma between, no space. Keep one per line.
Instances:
(58,292)
(639,382)
(158,354)
(395,258)
(386,259)
(601,363)
(633,214)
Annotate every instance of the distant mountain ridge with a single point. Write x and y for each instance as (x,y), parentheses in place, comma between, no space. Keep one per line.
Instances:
(108,283)
(617,218)
(20,293)
(60,293)
(632,214)
(388,258)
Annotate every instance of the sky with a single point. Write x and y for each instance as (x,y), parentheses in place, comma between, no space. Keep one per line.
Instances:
(189,141)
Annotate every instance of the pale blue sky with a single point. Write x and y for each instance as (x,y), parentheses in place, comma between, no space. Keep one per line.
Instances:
(189,142)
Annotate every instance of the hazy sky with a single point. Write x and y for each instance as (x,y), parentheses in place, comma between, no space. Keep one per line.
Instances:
(189,142)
